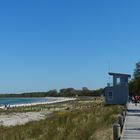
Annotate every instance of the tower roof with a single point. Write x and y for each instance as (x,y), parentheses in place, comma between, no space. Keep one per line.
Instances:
(119,74)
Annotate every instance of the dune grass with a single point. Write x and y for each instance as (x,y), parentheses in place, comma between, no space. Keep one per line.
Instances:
(88,121)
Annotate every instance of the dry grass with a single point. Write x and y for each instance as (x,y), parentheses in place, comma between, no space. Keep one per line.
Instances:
(104,134)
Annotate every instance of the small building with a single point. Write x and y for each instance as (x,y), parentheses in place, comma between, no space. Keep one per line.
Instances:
(118,92)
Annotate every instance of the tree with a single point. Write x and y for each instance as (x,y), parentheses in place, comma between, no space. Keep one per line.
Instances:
(134,85)
(52,93)
(85,89)
(137,71)
(68,92)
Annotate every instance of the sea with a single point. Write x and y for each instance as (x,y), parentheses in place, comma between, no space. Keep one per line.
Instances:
(18,101)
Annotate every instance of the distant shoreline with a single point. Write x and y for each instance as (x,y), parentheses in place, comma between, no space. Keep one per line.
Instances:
(58,100)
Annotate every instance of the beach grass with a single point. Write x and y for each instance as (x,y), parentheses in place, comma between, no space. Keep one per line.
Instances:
(87,121)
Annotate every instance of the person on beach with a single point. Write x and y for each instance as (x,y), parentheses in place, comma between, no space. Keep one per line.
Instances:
(5,105)
(136,100)
(133,99)
(8,106)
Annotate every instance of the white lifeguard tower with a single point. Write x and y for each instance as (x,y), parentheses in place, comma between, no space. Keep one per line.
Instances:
(118,92)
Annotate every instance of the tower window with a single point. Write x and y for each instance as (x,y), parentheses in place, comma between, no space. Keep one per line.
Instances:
(118,81)
(110,95)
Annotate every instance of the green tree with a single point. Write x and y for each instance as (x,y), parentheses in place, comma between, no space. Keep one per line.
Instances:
(68,92)
(137,71)
(134,85)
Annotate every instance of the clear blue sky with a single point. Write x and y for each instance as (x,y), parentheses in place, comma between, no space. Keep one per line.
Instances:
(48,44)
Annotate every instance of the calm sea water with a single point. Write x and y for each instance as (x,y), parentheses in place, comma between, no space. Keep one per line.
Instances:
(15,101)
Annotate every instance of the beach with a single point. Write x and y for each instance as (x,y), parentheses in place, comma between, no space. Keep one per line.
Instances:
(20,118)
(56,121)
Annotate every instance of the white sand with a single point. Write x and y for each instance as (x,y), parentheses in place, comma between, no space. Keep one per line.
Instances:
(21,118)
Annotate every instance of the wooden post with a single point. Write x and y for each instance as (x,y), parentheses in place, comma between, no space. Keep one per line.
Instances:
(125,110)
(120,121)
(124,115)
(116,132)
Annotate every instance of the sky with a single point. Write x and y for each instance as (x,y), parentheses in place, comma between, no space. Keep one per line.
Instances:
(54,44)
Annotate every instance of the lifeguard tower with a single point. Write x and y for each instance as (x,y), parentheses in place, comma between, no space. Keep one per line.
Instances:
(118,92)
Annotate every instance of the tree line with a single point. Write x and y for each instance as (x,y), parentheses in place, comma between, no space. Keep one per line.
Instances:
(134,84)
(67,92)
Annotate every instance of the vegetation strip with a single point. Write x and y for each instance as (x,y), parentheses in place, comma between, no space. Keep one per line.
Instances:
(83,121)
